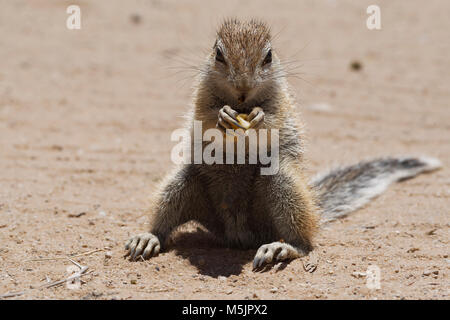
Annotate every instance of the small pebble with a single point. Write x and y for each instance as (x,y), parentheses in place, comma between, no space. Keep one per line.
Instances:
(427,272)
(358,274)
(136,18)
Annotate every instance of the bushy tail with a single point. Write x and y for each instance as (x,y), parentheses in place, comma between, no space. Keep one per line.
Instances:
(346,189)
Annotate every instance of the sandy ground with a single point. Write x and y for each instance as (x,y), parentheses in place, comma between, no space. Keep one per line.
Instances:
(85,123)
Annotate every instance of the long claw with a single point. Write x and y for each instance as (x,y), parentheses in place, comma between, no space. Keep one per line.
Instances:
(224,124)
(226,117)
(127,244)
(254,113)
(257,119)
(140,248)
(133,245)
(230,111)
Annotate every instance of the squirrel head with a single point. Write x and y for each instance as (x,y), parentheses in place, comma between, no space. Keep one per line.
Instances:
(242,65)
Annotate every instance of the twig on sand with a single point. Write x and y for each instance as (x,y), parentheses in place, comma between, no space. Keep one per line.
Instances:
(155,290)
(12,278)
(12,294)
(68,256)
(76,275)
(311,263)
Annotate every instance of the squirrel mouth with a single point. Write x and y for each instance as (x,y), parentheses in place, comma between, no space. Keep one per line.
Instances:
(242,98)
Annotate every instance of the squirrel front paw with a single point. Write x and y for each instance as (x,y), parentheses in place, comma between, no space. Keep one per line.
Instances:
(256,117)
(230,119)
(227,119)
(146,245)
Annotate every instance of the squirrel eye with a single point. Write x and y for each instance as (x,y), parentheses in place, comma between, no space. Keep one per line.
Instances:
(219,56)
(268,58)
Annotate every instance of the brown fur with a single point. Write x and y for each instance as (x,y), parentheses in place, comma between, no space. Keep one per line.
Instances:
(241,207)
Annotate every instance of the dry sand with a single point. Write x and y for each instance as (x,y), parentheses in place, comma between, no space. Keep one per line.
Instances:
(85,123)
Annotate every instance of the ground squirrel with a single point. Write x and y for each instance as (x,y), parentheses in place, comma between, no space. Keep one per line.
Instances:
(278,214)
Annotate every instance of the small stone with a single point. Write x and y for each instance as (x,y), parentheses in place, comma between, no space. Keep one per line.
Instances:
(358,274)
(274,290)
(133,281)
(222,278)
(427,272)
(355,65)
(229,291)
(108,254)
(76,215)
(135,18)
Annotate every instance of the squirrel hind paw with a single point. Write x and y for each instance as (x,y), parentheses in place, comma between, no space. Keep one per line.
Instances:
(274,252)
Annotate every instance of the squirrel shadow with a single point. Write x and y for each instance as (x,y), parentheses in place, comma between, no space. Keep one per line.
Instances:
(210,258)
(202,250)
